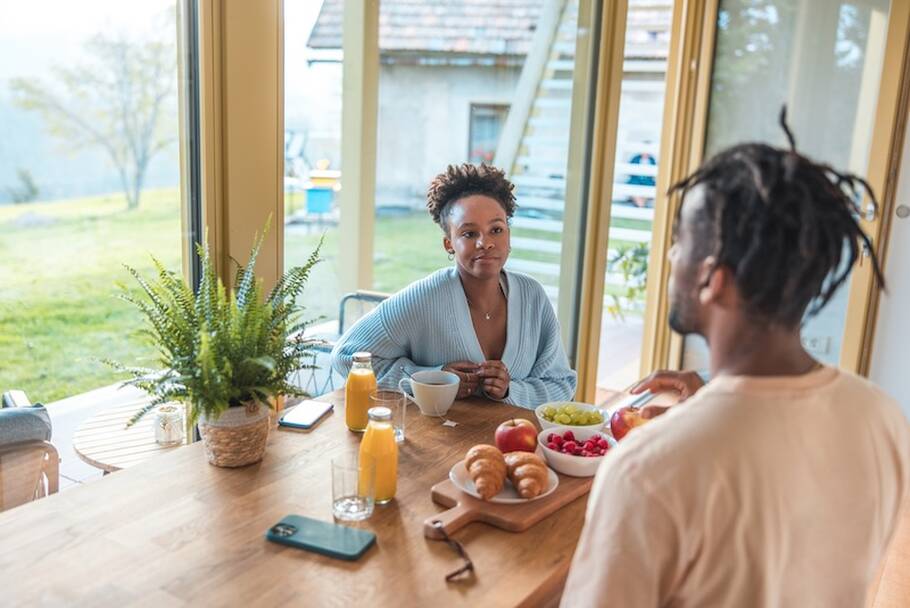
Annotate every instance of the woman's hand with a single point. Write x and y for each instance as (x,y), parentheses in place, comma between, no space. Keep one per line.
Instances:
(467,373)
(684,383)
(495,379)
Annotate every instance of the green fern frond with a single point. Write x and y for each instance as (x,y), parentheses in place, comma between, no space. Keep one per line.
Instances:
(220,346)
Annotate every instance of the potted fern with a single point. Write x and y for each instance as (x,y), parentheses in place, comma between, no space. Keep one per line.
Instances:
(225,353)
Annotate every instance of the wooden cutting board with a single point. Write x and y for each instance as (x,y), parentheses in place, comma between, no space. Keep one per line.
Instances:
(465,509)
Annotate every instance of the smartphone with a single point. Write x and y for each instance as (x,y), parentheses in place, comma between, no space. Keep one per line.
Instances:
(332,540)
(306,414)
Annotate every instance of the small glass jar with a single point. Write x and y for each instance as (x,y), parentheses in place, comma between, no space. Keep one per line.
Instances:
(169,425)
(379,450)
(360,383)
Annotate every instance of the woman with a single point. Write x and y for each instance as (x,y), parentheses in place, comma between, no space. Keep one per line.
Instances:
(492,327)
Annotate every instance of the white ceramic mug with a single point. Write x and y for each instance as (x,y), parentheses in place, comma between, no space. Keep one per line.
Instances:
(434,392)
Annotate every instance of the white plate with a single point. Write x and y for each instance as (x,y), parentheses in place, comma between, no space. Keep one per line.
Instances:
(508,495)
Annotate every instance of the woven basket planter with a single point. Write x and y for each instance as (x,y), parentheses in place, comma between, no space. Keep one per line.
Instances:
(237,437)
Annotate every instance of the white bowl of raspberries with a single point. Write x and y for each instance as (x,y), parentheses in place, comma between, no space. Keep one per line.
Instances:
(572,452)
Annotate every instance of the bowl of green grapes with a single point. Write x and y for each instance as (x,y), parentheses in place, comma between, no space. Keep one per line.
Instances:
(571,415)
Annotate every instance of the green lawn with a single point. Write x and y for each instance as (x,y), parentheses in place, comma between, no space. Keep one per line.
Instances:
(58,310)
(62,262)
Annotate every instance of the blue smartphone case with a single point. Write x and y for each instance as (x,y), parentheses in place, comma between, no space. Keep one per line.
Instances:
(332,540)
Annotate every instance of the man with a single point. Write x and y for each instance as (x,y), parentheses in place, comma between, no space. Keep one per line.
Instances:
(780,481)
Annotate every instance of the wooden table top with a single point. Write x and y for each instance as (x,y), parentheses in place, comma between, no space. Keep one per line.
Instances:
(175,530)
(103,440)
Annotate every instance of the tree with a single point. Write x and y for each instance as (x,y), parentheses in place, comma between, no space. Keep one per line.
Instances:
(26,191)
(118,100)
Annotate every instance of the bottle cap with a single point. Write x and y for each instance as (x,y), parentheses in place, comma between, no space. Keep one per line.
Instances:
(362,357)
(380,414)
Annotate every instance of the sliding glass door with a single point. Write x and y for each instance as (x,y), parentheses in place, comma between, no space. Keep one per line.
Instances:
(93,136)
(634,197)
(382,96)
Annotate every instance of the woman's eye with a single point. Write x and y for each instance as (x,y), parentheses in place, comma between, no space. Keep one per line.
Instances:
(467,235)
(497,230)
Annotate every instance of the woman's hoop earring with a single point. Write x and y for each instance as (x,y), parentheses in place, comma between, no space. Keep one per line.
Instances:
(451,256)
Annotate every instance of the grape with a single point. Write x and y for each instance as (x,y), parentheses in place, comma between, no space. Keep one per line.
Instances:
(570,414)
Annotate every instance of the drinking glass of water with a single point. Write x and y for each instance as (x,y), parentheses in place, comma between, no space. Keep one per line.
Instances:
(397,403)
(353,488)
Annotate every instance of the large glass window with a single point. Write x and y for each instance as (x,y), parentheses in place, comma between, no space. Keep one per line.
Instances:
(313,172)
(89,181)
(824,60)
(457,83)
(634,194)
(498,76)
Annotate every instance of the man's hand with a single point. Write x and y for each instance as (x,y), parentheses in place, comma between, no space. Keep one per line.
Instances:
(467,373)
(495,379)
(684,383)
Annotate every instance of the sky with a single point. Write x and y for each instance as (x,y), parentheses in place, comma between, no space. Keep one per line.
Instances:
(36,35)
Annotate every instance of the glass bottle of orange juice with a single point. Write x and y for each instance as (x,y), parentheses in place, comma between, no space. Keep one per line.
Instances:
(379,446)
(361,382)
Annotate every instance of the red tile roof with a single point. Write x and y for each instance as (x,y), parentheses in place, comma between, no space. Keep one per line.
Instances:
(488,27)
(482,27)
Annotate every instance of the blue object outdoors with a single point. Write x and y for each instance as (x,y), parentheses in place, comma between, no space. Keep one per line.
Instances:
(642,180)
(319,200)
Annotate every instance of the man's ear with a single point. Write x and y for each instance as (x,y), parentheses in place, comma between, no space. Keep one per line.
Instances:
(712,279)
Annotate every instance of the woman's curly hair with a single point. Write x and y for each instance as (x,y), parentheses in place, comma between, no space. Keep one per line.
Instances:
(459,181)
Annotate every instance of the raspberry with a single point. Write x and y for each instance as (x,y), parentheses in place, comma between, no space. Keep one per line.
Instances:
(557,439)
(569,446)
(568,436)
(553,446)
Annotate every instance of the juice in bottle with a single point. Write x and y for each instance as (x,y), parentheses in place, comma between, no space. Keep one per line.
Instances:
(379,446)
(361,382)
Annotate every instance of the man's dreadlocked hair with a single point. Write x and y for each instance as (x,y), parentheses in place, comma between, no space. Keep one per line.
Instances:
(783,224)
(460,181)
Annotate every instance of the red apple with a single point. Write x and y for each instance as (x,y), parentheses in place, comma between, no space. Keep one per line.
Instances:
(624,420)
(516,435)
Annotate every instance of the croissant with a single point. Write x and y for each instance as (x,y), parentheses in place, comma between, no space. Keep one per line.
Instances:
(528,473)
(487,468)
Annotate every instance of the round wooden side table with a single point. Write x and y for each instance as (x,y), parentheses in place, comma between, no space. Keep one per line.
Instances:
(103,440)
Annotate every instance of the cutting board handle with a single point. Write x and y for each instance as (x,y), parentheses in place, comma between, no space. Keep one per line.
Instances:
(452,520)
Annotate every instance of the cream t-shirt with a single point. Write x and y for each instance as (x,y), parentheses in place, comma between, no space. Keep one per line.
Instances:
(758,491)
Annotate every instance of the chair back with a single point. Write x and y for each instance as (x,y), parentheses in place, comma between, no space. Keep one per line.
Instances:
(29,470)
(355,305)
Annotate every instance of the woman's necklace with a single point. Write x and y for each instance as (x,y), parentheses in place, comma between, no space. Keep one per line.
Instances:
(486,315)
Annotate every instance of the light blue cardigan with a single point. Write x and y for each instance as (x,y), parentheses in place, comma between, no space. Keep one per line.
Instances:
(428,324)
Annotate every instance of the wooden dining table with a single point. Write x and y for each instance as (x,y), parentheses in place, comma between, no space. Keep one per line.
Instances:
(175,530)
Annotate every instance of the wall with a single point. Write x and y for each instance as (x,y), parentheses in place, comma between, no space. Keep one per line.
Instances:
(424,115)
